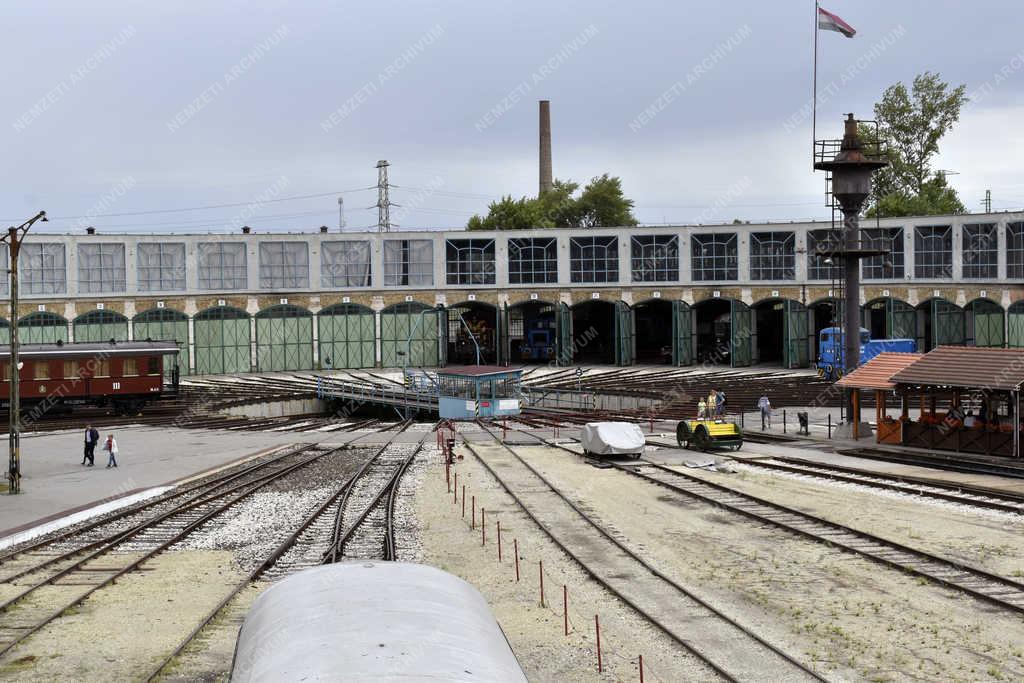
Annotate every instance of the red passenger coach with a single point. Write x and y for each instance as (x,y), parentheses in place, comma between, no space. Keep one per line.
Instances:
(122,375)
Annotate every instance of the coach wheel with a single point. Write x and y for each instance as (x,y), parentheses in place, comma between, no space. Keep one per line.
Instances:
(701,438)
(683,434)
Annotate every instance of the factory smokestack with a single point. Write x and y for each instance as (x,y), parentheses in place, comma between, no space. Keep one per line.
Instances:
(545,146)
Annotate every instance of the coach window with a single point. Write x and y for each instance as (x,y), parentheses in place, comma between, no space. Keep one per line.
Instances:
(153,366)
(41,370)
(71,369)
(5,371)
(130,368)
(101,368)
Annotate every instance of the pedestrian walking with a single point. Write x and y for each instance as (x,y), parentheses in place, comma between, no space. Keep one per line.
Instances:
(111,448)
(712,401)
(92,437)
(766,411)
(702,408)
(720,402)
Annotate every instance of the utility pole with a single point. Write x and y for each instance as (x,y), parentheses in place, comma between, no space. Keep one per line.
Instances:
(383,201)
(14,238)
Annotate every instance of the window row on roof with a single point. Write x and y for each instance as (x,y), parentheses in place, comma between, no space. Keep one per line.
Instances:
(772,255)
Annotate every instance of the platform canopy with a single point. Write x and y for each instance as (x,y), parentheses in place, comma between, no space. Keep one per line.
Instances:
(968,367)
(877,372)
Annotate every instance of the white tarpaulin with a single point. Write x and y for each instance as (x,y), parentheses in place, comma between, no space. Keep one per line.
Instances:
(612,438)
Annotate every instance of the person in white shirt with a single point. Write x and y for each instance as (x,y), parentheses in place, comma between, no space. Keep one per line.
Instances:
(111,447)
(766,411)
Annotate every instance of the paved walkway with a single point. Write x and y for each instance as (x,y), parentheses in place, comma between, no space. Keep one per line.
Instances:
(54,482)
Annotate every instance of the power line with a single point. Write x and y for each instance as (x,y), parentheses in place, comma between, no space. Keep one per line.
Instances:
(209,206)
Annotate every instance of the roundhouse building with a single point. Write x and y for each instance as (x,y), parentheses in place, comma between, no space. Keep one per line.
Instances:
(734,294)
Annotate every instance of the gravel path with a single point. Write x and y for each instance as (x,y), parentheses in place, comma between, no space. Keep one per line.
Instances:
(119,634)
(868,622)
(535,632)
(985,538)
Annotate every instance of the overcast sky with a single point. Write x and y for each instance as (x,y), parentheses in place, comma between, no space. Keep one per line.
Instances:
(125,108)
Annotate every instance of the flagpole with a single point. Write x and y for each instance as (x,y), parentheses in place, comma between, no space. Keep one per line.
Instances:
(814,94)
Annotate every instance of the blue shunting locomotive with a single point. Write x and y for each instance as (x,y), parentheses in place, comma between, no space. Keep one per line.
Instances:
(831,359)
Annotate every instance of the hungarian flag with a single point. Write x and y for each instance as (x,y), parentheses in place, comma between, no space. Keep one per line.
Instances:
(831,22)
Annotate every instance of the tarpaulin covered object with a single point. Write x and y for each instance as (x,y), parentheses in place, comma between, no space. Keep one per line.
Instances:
(612,438)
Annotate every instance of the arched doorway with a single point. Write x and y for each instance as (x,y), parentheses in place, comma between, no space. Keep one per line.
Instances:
(779,334)
(723,332)
(481,319)
(100,326)
(409,335)
(1015,325)
(42,328)
(939,323)
(889,318)
(593,338)
(823,313)
(654,331)
(284,339)
(165,324)
(222,341)
(347,336)
(983,323)
(532,332)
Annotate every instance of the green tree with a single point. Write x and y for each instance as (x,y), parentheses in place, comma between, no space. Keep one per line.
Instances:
(911,124)
(600,204)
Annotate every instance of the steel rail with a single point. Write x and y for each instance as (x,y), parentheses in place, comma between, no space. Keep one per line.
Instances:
(207,485)
(721,669)
(254,575)
(135,564)
(979,583)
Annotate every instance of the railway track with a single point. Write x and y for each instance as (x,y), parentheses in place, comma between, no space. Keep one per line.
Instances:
(314,539)
(732,650)
(973,496)
(94,559)
(962,494)
(979,583)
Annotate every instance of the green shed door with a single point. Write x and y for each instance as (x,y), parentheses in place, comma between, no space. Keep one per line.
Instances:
(222,341)
(100,326)
(625,334)
(1015,325)
(986,327)
(563,324)
(794,347)
(347,337)
(739,351)
(163,324)
(501,338)
(947,323)
(682,333)
(410,334)
(902,319)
